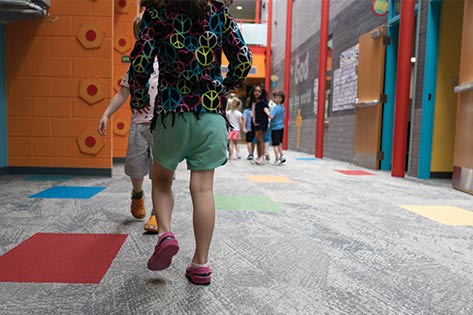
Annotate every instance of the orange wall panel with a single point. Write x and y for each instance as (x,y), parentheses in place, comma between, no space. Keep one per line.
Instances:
(51,107)
(81,109)
(55,147)
(24,127)
(50,66)
(63,127)
(20,106)
(82,67)
(60,27)
(45,65)
(20,146)
(29,86)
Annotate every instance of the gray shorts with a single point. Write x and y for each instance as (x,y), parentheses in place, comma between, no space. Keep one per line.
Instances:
(139,160)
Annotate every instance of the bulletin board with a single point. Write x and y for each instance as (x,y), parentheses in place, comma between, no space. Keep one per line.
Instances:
(345,80)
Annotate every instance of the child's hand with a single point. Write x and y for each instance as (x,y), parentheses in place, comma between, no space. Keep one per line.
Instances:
(102,125)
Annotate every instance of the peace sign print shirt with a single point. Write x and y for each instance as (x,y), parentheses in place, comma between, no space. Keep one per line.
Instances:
(189,52)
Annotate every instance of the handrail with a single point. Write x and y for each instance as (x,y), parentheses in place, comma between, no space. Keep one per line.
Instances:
(465,87)
(366,104)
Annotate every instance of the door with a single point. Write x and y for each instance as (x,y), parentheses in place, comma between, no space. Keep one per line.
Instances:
(463,151)
(369,107)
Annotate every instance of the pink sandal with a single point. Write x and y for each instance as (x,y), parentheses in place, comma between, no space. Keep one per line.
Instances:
(199,275)
(166,248)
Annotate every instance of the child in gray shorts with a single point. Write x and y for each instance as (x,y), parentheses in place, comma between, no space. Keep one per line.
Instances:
(139,159)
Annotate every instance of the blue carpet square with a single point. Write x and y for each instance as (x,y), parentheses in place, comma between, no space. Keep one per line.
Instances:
(306,159)
(68,192)
(49,178)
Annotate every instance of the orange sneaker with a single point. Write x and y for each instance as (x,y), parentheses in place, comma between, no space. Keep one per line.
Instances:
(137,208)
(152,225)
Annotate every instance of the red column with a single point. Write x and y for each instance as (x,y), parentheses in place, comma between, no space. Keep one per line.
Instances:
(401,117)
(267,81)
(258,11)
(287,71)
(324,21)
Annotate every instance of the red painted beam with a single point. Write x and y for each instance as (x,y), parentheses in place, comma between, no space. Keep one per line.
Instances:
(323,52)
(267,81)
(401,117)
(258,12)
(287,71)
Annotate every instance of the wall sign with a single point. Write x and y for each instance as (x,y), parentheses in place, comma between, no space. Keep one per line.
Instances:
(380,7)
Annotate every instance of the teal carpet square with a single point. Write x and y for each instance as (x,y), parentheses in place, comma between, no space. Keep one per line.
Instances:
(246,203)
(68,192)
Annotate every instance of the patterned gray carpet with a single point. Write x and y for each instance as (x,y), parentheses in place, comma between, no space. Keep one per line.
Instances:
(334,244)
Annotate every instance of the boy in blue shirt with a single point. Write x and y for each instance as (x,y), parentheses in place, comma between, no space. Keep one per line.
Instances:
(277,125)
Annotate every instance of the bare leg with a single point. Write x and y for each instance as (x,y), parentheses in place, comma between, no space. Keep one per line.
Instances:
(201,187)
(260,143)
(237,147)
(266,147)
(276,152)
(250,147)
(163,199)
(137,184)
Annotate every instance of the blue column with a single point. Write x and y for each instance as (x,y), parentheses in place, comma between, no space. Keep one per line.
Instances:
(389,90)
(430,83)
(3,102)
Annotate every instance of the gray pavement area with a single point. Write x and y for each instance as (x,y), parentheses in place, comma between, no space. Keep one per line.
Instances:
(336,244)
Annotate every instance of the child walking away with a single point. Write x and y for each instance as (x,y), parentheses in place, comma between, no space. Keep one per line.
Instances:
(234,117)
(248,131)
(188,122)
(277,125)
(138,161)
(260,113)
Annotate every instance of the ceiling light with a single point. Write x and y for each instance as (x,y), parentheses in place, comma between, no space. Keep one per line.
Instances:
(239,7)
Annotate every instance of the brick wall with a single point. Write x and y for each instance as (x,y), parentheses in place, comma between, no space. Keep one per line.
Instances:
(348,20)
(46,64)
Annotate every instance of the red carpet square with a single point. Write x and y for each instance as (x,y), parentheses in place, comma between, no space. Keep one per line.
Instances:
(62,258)
(354,172)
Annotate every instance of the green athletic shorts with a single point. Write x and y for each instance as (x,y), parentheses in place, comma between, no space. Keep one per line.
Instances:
(201,142)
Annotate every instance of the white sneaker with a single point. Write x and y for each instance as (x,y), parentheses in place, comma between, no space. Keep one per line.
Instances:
(282,159)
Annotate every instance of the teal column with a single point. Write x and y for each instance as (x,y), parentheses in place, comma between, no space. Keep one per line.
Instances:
(3,102)
(430,83)
(390,91)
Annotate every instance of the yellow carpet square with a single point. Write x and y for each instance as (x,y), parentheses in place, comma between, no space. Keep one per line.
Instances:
(270,179)
(448,215)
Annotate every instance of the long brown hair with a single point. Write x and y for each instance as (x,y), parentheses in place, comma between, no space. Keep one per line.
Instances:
(194,8)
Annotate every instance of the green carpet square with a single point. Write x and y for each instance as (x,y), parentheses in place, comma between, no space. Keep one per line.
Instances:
(246,203)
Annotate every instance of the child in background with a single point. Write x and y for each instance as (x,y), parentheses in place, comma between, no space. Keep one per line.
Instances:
(259,112)
(138,161)
(277,126)
(234,117)
(249,134)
